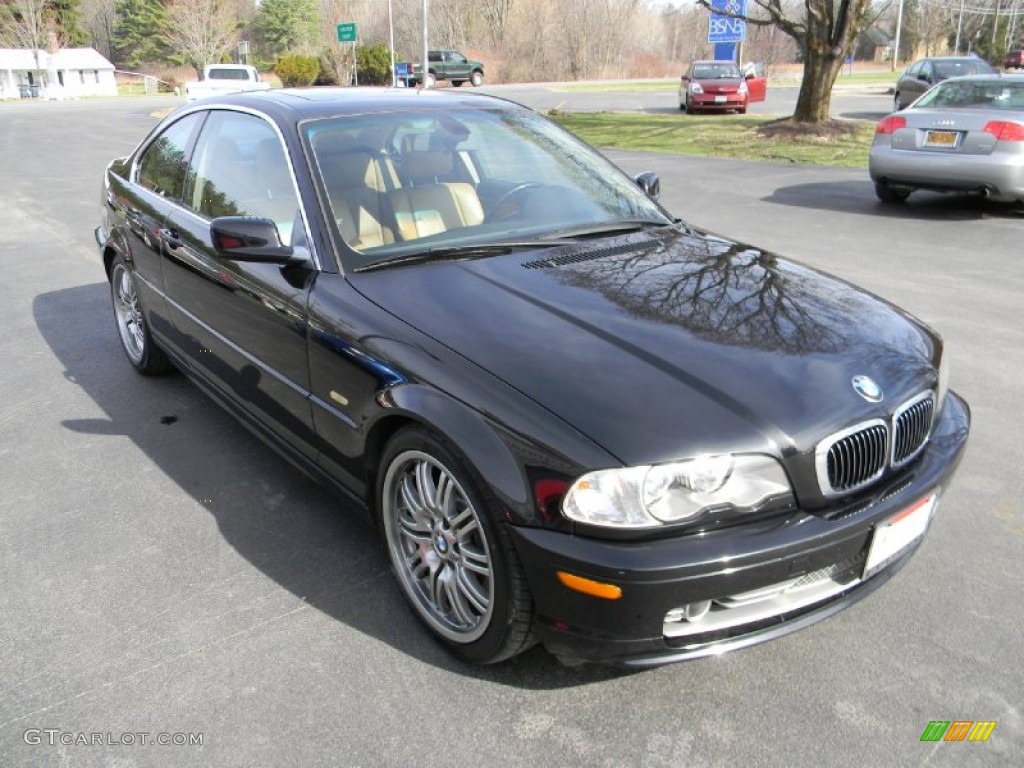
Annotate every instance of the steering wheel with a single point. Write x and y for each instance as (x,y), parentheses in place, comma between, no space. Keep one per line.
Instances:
(495,207)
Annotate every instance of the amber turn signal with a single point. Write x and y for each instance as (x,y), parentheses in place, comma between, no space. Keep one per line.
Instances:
(589,586)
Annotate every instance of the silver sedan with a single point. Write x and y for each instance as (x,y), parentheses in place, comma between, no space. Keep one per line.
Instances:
(964,135)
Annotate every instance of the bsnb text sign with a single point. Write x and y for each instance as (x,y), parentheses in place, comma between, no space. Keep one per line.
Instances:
(724,29)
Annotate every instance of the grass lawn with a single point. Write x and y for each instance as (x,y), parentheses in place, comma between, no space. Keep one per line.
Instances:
(716,135)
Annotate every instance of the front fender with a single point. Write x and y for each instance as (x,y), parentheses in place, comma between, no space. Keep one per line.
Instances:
(474,436)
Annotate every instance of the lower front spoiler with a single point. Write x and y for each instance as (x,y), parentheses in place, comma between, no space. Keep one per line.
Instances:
(573,649)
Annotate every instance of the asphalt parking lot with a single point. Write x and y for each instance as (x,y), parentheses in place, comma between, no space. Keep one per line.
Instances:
(163,573)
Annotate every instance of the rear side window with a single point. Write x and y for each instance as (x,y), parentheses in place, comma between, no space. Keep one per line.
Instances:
(164,165)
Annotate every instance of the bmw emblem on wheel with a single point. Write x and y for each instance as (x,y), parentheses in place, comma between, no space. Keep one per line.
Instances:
(866,387)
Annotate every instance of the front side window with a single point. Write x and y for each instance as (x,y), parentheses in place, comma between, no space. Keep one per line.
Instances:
(240,168)
(163,166)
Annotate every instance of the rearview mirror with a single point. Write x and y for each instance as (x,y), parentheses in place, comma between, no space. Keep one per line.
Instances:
(248,238)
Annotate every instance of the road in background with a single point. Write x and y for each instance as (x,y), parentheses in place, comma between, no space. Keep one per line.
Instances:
(164,572)
(852,102)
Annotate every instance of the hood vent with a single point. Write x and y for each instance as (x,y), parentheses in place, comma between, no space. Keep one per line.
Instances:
(599,253)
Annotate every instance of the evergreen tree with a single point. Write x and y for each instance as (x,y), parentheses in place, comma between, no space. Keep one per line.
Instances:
(69,27)
(287,26)
(138,32)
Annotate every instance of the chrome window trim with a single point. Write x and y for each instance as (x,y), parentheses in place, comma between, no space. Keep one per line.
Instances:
(133,172)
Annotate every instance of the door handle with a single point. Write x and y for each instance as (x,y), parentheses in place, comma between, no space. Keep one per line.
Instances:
(171,239)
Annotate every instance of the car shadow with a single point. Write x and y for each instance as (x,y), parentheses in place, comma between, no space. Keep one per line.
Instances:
(273,515)
(858,197)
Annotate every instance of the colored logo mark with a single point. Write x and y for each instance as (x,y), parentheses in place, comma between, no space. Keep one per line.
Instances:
(958,730)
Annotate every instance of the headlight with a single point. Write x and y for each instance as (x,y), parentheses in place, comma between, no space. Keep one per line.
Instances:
(649,496)
(695,88)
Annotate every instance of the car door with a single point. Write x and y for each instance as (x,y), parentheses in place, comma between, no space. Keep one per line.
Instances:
(242,325)
(142,199)
(458,66)
(757,82)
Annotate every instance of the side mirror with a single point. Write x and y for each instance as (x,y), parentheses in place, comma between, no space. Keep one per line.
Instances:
(649,183)
(247,238)
(924,78)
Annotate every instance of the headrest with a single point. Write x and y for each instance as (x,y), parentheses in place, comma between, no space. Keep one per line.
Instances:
(427,165)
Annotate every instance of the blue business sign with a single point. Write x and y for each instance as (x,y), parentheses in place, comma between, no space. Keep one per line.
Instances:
(724,29)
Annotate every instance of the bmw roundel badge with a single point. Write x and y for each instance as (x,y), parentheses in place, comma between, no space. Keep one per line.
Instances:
(866,387)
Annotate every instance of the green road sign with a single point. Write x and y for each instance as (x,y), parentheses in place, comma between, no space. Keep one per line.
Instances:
(347,32)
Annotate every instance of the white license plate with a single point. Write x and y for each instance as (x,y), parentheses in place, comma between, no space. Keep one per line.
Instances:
(720,99)
(892,537)
(946,139)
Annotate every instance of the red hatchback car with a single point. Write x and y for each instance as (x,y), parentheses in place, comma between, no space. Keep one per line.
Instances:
(719,85)
(1014,60)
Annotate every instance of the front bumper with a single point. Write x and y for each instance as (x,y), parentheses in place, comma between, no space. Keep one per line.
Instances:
(708,101)
(801,567)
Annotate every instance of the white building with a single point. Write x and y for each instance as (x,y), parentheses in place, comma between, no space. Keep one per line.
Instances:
(70,73)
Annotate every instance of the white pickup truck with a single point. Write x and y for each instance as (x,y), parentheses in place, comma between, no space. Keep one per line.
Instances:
(220,79)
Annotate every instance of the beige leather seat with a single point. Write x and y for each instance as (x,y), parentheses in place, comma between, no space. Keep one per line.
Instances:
(428,206)
(355,185)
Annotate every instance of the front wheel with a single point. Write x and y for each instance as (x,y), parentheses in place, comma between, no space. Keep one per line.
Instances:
(431,80)
(897,103)
(136,341)
(477,79)
(456,567)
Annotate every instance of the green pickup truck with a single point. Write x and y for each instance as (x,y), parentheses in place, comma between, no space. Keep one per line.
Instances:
(448,65)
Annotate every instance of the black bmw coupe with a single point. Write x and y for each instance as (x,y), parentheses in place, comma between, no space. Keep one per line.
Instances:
(574,418)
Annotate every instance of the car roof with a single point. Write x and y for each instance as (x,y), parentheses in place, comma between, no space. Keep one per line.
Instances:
(955,58)
(291,105)
(988,77)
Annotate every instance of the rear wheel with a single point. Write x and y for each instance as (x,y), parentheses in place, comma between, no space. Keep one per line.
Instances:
(138,345)
(891,195)
(458,83)
(456,566)
(431,80)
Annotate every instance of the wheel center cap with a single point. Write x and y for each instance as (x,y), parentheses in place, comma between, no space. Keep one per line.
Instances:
(441,544)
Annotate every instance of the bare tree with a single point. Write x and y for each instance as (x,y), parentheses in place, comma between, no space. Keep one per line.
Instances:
(26,24)
(201,32)
(98,18)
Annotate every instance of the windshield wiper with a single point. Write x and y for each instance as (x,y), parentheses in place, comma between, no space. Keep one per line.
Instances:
(620,226)
(443,253)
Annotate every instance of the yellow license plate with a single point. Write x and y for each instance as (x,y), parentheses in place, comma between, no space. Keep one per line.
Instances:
(941,138)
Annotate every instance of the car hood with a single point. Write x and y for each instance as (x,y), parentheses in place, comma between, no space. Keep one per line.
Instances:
(659,347)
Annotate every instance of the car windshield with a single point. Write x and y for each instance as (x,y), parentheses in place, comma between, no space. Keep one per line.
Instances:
(944,69)
(401,183)
(715,71)
(974,94)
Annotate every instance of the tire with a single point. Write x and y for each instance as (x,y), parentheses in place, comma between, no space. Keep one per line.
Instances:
(897,105)
(431,80)
(890,195)
(477,78)
(455,564)
(138,345)
(458,83)
(741,111)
